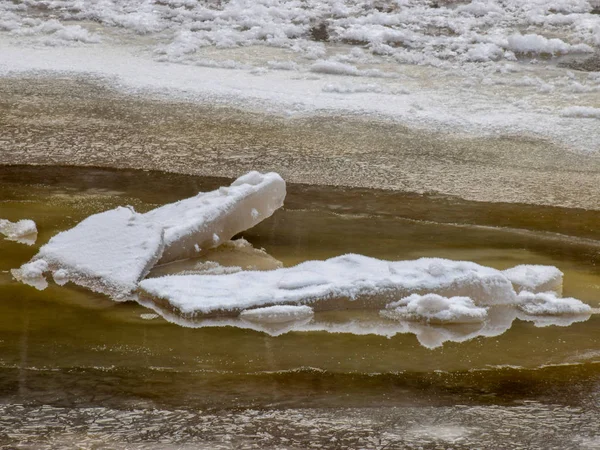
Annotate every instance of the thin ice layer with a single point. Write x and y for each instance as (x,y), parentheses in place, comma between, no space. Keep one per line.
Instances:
(535,278)
(24,231)
(108,252)
(208,219)
(277,314)
(433,308)
(348,281)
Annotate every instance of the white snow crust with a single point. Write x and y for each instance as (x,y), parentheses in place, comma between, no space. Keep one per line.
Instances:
(23,231)
(107,252)
(354,280)
(202,222)
(433,308)
(535,278)
(548,304)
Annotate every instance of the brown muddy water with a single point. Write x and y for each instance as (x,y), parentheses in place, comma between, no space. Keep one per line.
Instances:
(78,370)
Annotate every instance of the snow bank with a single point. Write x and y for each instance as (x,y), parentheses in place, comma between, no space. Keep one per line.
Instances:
(535,278)
(24,231)
(108,252)
(348,281)
(548,304)
(208,219)
(433,308)
(277,314)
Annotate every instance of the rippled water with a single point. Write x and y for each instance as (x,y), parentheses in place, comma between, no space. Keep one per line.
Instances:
(79,369)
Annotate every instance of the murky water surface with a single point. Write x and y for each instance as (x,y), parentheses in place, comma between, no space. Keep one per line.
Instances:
(79,369)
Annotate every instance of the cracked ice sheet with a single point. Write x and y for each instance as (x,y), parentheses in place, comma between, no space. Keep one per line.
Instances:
(108,252)
(205,221)
(353,281)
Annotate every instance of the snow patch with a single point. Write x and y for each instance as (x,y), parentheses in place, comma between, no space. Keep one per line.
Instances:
(548,304)
(433,308)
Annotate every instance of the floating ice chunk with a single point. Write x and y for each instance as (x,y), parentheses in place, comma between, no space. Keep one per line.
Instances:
(32,273)
(24,231)
(535,278)
(277,314)
(108,252)
(206,220)
(548,304)
(434,308)
(348,281)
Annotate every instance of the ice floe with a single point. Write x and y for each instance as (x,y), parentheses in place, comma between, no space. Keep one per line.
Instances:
(208,219)
(548,304)
(348,281)
(24,231)
(108,252)
(433,308)
(535,278)
(111,252)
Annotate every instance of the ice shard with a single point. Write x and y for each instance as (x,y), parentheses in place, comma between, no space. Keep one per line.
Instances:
(202,222)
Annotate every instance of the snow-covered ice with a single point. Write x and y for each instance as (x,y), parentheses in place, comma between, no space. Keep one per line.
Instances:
(535,278)
(348,281)
(107,252)
(433,308)
(23,231)
(548,304)
(205,221)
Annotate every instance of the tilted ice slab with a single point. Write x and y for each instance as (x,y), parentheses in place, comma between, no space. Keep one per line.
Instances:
(208,219)
(535,278)
(108,252)
(433,308)
(24,231)
(348,281)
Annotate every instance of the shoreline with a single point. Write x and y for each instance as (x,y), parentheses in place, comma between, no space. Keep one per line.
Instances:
(79,121)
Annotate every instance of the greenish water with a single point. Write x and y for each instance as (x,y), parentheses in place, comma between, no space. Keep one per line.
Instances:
(65,351)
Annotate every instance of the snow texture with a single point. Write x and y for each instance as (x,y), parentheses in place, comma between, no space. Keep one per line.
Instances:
(107,252)
(24,231)
(535,278)
(348,281)
(202,222)
(433,308)
(548,304)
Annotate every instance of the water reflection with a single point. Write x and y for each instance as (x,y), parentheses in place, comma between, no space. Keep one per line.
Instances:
(363,322)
